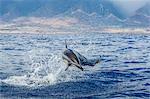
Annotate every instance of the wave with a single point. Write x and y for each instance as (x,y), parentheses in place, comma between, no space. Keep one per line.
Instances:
(43,70)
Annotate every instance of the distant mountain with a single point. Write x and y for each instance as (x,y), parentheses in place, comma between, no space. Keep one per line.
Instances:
(140,18)
(145,10)
(112,20)
(93,19)
(89,12)
(10,9)
(49,8)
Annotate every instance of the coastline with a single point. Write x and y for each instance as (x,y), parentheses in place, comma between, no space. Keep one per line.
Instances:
(72,30)
(64,25)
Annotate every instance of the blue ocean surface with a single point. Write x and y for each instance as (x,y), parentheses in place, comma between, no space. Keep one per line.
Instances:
(31,66)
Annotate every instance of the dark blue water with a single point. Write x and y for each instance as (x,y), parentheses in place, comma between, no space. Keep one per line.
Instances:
(31,66)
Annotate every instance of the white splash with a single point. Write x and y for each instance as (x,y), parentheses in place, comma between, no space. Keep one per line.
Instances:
(42,71)
(47,68)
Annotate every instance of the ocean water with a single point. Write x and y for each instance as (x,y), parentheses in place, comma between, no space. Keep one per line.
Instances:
(31,66)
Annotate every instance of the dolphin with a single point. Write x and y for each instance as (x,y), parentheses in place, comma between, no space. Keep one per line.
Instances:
(73,58)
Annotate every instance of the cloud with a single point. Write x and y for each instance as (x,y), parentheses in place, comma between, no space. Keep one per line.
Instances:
(129,6)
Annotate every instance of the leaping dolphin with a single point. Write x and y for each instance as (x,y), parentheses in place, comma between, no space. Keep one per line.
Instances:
(73,58)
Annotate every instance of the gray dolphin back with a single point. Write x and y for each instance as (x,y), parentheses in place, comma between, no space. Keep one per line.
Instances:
(72,58)
(70,54)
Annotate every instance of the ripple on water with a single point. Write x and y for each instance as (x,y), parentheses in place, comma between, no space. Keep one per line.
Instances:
(31,66)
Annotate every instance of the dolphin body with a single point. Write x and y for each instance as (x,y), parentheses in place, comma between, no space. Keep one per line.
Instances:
(73,58)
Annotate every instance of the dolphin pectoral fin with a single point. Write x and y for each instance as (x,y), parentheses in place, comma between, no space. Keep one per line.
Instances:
(69,64)
(67,68)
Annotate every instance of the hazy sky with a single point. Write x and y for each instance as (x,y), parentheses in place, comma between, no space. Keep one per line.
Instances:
(129,6)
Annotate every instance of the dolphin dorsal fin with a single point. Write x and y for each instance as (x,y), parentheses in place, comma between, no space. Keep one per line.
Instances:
(66,44)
